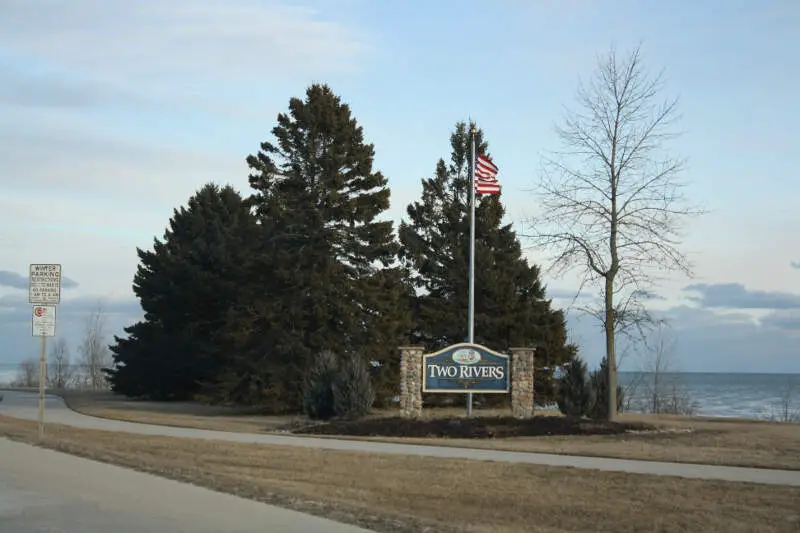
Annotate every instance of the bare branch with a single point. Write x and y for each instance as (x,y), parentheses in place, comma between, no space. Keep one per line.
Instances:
(611,199)
(59,370)
(663,395)
(27,373)
(94,352)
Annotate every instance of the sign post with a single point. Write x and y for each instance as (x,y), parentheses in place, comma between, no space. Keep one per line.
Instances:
(44,293)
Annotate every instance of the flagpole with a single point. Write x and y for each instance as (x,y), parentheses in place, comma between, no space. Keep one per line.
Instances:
(471,313)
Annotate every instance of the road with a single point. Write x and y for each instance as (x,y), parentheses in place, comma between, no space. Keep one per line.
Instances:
(24,405)
(46,491)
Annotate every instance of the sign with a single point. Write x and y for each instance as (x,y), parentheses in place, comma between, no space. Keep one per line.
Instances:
(44,284)
(44,321)
(465,367)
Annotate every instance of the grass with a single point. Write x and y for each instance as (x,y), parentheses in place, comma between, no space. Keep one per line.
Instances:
(731,442)
(404,494)
(180,414)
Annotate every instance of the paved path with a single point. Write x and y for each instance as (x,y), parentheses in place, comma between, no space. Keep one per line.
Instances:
(46,491)
(24,405)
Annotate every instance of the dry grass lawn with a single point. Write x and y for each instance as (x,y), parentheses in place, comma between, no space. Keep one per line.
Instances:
(404,494)
(697,440)
(179,414)
(679,439)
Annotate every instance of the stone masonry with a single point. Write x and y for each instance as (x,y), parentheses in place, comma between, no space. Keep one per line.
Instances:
(411,381)
(522,382)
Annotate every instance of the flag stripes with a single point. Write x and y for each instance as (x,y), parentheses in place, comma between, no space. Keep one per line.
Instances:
(486,176)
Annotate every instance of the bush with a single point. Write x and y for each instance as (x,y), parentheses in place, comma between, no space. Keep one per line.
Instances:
(353,391)
(599,385)
(574,391)
(334,388)
(675,401)
(319,385)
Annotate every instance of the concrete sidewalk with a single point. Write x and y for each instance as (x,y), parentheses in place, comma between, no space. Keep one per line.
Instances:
(24,405)
(47,491)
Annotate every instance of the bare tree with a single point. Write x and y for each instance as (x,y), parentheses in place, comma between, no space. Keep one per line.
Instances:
(663,396)
(784,409)
(611,200)
(27,373)
(94,352)
(631,388)
(60,371)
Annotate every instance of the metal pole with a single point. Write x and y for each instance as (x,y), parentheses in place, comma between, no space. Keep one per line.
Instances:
(42,378)
(471,327)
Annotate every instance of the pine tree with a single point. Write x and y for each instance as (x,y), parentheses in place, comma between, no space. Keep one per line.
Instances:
(326,256)
(185,285)
(319,387)
(511,308)
(574,390)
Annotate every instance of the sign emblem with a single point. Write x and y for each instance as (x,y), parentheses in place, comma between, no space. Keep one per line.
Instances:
(466,356)
(44,321)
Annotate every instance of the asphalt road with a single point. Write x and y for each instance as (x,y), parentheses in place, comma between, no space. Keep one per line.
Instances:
(46,491)
(24,405)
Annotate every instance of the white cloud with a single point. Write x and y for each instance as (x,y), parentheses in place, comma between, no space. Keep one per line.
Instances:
(105,124)
(87,201)
(153,41)
(221,58)
(102,167)
(101,264)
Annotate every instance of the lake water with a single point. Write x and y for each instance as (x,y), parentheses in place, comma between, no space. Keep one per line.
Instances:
(759,396)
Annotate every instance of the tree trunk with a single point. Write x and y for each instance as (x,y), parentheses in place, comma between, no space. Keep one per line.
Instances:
(611,357)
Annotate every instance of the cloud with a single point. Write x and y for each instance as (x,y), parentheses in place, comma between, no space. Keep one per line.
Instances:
(558,293)
(36,161)
(156,43)
(795,265)
(736,296)
(95,191)
(18,281)
(705,341)
(787,320)
(48,89)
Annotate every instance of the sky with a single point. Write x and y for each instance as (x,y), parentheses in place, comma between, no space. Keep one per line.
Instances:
(113,113)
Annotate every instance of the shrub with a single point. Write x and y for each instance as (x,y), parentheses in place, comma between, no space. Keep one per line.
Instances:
(319,386)
(599,386)
(574,390)
(353,391)
(337,388)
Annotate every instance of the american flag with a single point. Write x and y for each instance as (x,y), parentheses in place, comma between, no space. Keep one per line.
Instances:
(486,176)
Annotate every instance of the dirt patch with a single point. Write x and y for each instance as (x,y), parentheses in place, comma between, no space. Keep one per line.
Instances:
(405,494)
(472,428)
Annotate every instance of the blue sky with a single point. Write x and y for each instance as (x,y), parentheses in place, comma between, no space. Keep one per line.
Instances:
(112,113)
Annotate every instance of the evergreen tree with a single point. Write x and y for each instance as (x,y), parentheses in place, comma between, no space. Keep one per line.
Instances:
(325,255)
(574,390)
(319,387)
(510,304)
(185,285)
